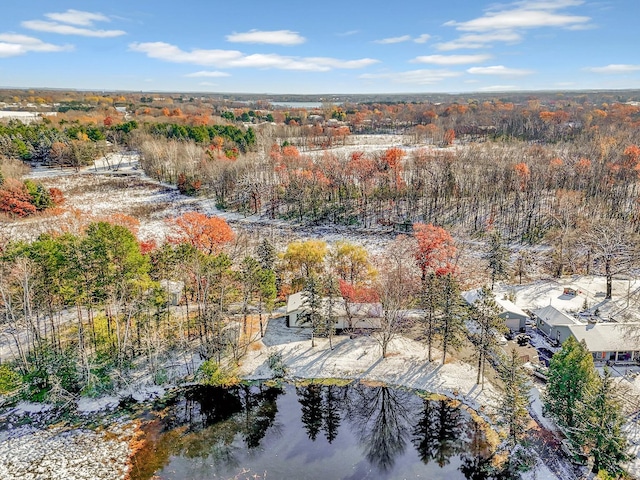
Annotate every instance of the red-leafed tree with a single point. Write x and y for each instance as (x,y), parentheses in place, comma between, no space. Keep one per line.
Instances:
(355,297)
(207,234)
(15,199)
(147,246)
(436,250)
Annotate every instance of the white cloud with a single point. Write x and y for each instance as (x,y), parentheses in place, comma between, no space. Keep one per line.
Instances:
(348,34)
(388,41)
(524,14)
(54,27)
(77,17)
(483,40)
(422,38)
(416,77)
(13,44)
(498,88)
(204,73)
(234,58)
(498,70)
(275,37)
(614,69)
(451,59)
(73,22)
(506,23)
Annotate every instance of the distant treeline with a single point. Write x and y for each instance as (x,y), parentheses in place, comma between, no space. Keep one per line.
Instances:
(76,144)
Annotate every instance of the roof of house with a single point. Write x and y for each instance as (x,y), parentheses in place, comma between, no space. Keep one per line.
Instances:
(554,317)
(171,286)
(507,306)
(296,303)
(608,337)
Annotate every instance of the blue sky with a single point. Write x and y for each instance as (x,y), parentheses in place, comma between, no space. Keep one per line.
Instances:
(323,47)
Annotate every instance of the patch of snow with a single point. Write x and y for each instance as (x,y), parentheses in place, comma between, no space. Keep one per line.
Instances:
(360,358)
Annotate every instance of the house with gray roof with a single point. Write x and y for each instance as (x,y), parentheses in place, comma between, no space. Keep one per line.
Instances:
(553,322)
(515,319)
(610,341)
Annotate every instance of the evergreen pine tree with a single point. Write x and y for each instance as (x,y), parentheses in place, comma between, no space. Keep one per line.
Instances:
(603,433)
(498,257)
(571,376)
(484,313)
(452,319)
(515,396)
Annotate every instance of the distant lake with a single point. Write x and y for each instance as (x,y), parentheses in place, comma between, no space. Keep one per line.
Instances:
(313,432)
(310,105)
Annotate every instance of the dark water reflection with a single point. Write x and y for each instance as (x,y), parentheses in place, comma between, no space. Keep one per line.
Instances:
(311,432)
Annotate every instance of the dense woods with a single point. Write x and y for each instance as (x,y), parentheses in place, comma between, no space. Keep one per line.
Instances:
(90,307)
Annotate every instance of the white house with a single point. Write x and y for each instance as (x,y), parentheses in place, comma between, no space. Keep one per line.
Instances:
(362,315)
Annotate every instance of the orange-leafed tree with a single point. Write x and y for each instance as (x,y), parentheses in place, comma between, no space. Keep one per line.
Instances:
(15,199)
(449,137)
(435,251)
(127,221)
(523,174)
(207,234)
(393,156)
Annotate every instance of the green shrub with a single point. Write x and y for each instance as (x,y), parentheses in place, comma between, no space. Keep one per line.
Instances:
(10,380)
(212,374)
(276,364)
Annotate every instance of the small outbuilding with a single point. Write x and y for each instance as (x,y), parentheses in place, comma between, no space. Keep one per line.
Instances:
(174,291)
(515,319)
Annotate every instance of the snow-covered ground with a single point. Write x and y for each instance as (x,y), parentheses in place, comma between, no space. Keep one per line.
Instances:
(30,453)
(590,289)
(360,358)
(91,194)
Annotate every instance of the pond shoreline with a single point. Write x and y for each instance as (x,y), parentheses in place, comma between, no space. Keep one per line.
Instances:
(351,360)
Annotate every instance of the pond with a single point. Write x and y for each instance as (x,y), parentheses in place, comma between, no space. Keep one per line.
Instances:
(310,432)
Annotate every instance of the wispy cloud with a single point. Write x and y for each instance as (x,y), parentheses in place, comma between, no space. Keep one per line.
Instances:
(234,58)
(507,23)
(391,40)
(415,77)
(499,70)
(424,38)
(614,69)
(348,34)
(451,59)
(13,44)
(73,22)
(273,37)
(77,17)
(204,73)
(524,14)
(498,88)
(482,40)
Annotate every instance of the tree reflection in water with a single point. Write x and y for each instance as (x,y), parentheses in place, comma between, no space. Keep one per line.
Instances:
(217,432)
(383,420)
(437,436)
